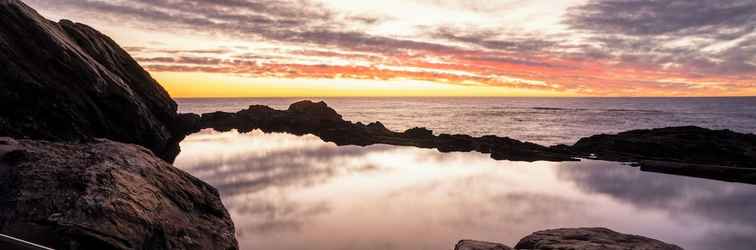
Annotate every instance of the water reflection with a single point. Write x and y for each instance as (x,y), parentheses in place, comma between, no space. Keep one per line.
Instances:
(290,192)
(729,209)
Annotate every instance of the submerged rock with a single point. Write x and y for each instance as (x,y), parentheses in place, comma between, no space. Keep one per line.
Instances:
(68,82)
(106,195)
(589,239)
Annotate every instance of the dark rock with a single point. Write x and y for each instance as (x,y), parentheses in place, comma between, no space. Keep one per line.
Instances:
(308,117)
(377,128)
(106,195)
(318,111)
(455,143)
(418,133)
(189,123)
(67,82)
(589,239)
(680,144)
(479,245)
(723,173)
(714,154)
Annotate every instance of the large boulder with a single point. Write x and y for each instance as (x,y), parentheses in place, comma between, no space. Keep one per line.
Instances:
(589,239)
(106,195)
(65,81)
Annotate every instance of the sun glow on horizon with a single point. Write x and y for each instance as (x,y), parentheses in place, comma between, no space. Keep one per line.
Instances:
(287,48)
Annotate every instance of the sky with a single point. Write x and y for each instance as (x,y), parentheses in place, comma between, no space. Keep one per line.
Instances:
(263,48)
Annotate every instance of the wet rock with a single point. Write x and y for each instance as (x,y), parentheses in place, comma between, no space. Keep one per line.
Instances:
(106,195)
(676,144)
(589,239)
(722,173)
(67,82)
(479,245)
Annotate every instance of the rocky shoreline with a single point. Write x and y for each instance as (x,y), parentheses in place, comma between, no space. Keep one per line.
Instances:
(689,151)
(67,86)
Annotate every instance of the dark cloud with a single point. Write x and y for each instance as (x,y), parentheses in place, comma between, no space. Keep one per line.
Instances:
(716,19)
(671,32)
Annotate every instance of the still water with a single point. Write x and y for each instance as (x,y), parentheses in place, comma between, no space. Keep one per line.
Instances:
(298,192)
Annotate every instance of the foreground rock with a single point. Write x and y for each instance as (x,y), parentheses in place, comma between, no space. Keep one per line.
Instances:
(590,239)
(106,195)
(67,82)
(574,239)
(308,117)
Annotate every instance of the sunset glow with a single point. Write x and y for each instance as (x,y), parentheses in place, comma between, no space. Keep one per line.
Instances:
(204,48)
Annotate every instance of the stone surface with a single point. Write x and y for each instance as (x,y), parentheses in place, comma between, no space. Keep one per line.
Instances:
(678,144)
(479,245)
(106,195)
(589,239)
(67,82)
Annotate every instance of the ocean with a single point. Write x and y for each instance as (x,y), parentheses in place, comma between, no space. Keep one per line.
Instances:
(547,121)
(297,192)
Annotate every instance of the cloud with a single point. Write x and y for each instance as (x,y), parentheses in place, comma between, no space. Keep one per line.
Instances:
(698,36)
(725,20)
(604,46)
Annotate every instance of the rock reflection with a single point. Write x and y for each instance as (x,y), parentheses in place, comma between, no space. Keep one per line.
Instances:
(298,192)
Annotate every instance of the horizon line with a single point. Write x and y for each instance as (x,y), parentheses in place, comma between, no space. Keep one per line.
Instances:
(282,97)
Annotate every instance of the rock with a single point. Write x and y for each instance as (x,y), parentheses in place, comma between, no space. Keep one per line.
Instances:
(307,117)
(315,110)
(67,82)
(455,143)
(723,173)
(679,144)
(589,239)
(106,195)
(479,245)
(189,123)
(419,133)
(713,154)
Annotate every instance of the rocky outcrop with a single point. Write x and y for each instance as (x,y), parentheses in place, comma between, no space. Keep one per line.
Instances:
(106,195)
(690,151)
(67,82)
(589,239)
(677,144)
(574,239)
(308,117)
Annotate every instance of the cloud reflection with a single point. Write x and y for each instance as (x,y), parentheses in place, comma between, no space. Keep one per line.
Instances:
(732,206)
(295,192)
